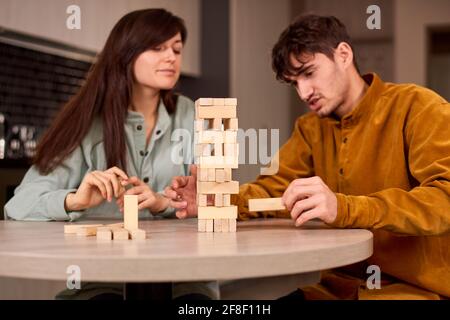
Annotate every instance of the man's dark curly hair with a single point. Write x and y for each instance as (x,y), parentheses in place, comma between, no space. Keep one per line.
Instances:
(308,34)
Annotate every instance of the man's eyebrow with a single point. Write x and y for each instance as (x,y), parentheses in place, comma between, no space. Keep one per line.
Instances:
(304,68)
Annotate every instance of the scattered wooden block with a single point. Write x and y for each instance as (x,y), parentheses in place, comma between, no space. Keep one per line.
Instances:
(226,200)
(225,225)
(202,200)
(220,175)
(209,225)
(230,124)
(230,101)
(231,187)
(223,112)
(201,225)
(104,233)
(217,213)
(131,212)
(115,225)
(120,234)
(217,225)
(72,228)
(232,225)
(267,204)
(87,231)
(138,234)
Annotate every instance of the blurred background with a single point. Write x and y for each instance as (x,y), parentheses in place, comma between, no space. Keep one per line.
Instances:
(43,63)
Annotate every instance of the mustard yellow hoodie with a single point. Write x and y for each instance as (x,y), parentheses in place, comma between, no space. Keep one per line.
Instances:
(388,161)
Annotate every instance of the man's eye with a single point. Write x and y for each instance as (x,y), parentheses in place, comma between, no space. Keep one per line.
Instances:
(308,74)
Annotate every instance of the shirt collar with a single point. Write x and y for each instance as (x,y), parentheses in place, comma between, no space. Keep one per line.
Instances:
(162,123)
(367,103)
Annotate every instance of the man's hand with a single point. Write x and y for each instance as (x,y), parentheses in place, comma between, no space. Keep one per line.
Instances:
(183,194)
(310,198)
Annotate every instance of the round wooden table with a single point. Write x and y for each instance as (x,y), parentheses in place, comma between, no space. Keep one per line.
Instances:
(174,251)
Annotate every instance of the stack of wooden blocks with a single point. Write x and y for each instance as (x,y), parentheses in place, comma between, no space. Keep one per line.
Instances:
(129,229)
(216,154)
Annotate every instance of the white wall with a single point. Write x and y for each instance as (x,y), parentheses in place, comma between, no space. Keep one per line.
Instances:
(47,18)
(410,43)
(262,101)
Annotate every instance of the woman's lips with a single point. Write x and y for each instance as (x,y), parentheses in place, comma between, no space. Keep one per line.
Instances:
(166,71)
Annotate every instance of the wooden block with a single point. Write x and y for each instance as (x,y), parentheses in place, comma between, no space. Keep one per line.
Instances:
(130,215)
(226,200)
(225,225)
(201,225)
(220,175)
(218,200)
(215,124)
(72,228)
(214,187)
(230,101)
(199,125)
(218,162)
(210,136)
(217,213)
(87,231)
(217,225)
(204,102)
(223,112)
(202,174)
(230,137)
(209,225)
(267,204)
(232,225)
(218,101)
(138,234)
(227,174)
(120,234)
(211,175)
(104,233)
(218,149)
(203,150)
(230,124)
(231,150)
(202,200)
(115,225)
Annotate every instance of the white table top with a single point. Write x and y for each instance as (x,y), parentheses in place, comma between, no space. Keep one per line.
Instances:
(175,251)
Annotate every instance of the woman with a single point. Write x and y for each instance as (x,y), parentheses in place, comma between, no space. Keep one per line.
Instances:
(116,131)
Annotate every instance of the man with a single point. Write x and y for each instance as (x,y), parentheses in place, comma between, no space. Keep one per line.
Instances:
(370,155)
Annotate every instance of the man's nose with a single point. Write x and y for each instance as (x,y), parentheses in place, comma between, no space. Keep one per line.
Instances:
(304,90)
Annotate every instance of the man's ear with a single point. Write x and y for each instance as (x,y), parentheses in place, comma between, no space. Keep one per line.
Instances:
(344,54)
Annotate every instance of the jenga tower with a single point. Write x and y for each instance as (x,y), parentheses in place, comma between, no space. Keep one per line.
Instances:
(216,153)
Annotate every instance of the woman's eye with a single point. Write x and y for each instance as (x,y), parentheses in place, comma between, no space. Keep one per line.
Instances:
(308,74)
(177,50)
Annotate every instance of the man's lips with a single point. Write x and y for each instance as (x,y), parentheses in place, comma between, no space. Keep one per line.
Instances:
(313,104)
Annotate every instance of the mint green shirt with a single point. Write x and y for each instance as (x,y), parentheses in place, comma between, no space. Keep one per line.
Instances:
(168,154)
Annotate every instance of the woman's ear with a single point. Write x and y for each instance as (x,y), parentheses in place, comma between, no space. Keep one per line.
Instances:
(344,54)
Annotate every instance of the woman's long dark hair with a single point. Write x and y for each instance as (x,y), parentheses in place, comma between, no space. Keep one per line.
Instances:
(107,91)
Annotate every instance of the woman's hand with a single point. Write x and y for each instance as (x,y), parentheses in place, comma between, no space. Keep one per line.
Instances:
(96,187)
(147,198)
